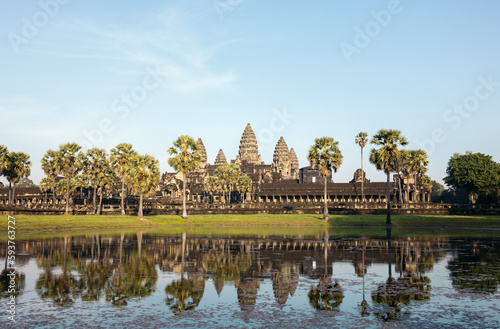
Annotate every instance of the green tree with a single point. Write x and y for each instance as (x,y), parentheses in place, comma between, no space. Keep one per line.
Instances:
(46,184)
(107,180)
(70,164)
(386,156)
(62,187)
(16,165)
(142,175)
(185,159)
(474,172)
(211,184)
(244,185)
(436,191)
(419,163)
(82,182)
(50,166)
(94,164)
(326,156)
(227,176)
(121,156)
(361,140)
(3,152)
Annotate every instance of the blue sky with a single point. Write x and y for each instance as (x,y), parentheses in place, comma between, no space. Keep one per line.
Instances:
(104,72)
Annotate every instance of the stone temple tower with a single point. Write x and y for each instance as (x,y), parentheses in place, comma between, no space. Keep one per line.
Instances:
(248,151)
(203,152)
(220,159)
(294,164)
(281,159)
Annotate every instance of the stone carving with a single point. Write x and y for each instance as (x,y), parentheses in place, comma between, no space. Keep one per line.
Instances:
(220,159)
(248,151)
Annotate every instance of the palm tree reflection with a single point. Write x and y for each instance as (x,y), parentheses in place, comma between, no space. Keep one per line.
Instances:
(183,294)
(327,295)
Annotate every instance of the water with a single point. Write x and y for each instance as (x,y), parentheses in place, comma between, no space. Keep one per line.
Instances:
(295,279)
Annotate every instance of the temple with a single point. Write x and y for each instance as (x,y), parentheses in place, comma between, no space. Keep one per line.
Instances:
(279,185)
(282,181)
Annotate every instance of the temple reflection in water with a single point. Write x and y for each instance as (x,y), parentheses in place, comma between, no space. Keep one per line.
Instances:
(120,268)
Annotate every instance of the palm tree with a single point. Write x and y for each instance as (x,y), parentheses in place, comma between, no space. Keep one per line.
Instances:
(69,164)
(244,185)
(361,140)
(120,157)
(3,152)
(419,162)
(185,159)
(211,184)
(46,184)
(16,165)
(142,175)
(406,171)
(325,155)
(50,166)
(94,164)
(227,176)
(82,181)
(107,180)
(386,156)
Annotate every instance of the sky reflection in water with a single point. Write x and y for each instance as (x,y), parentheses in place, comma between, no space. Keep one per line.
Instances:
(160,280)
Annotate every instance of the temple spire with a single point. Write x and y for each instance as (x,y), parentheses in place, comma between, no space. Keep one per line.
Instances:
(248,151)
(220,159)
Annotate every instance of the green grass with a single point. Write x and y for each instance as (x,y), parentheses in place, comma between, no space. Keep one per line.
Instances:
(26,223)
(40,226)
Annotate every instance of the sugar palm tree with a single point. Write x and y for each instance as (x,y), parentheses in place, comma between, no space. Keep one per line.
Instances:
(361,140)
(227,175)
(185,159)
(3,152)
(419,162)
(244,185)
(106,181)
(69,164)
(16,165)
(386,156)
(326,156)
(121,155)
(142,175)
(46,184)
(211,184)
(50,166)
(94,164)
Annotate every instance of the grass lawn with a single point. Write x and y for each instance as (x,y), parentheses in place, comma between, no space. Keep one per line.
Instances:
(24,223)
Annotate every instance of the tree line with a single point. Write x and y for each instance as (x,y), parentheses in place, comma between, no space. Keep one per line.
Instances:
(475,174)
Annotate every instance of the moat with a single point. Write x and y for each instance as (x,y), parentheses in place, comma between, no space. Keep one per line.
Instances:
(282,278)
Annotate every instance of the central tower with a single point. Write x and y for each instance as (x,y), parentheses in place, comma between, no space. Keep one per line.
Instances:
(249,151)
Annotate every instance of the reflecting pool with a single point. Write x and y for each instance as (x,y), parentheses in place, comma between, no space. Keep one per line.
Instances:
(296,279)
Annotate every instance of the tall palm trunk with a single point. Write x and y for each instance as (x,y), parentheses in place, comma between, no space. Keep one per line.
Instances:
(388,221)
(123,196)
(54,193)
(407,189)
(362,178)
(416,189)
(67,196)
(140,212)
(99,209)
(400,189)
(184,212)
(326,216)
(93,201)
(10,194)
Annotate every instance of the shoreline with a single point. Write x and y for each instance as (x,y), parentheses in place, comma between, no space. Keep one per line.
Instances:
(54,223)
